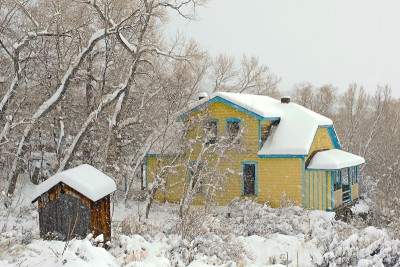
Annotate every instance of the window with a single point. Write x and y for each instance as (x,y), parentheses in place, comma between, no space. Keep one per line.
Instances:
(267,129)
(264,134)
(196,177)
(233,128)
(211,131)
(337,182)
(249,179)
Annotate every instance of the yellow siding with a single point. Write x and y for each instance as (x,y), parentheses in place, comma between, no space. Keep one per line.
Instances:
(322,140)
(338,198)
(276,177)
(354,192)
(173,186)
(318,190)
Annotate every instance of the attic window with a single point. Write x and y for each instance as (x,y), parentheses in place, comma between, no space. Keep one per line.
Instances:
(211,131)
(266,131)
(233,128)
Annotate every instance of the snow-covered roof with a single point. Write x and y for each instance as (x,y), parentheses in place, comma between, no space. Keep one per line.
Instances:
(334,159)
(85,179)
(258,104)
(296,130)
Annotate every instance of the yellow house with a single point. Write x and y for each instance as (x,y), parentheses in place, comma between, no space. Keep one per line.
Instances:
(288,153)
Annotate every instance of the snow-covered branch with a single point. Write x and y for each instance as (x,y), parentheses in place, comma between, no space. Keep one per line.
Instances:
(90,119)
(52,102)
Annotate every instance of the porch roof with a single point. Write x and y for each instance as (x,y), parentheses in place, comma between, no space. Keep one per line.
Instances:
(334,159)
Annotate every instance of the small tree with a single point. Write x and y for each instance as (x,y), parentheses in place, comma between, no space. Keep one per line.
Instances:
(191,168)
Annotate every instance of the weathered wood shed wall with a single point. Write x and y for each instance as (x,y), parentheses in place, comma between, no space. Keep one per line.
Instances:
(65,213)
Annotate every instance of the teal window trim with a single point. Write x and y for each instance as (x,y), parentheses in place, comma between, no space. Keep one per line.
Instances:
(260,144)
(230,120)
(255,177)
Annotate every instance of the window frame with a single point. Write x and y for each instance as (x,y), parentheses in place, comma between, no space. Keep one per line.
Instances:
(212,120)
(255,178)
(232,120)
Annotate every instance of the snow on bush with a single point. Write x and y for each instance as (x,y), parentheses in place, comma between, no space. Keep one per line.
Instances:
(243,233)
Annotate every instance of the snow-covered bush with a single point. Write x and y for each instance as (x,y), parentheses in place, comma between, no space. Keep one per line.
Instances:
(131,225)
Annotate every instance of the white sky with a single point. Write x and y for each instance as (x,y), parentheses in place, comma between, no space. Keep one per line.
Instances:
(320,41)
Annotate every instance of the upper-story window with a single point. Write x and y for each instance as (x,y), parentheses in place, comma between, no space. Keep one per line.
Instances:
(211,131)
(233,129)
(264,134)
(267,130)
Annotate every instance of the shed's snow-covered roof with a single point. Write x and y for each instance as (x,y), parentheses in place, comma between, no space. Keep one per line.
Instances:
(85,179)
(296,130)
(334,159)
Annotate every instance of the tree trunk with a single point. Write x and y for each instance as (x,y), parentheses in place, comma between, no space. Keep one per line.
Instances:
(48,105)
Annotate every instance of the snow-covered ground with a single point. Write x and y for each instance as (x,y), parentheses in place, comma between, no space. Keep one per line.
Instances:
(241,234)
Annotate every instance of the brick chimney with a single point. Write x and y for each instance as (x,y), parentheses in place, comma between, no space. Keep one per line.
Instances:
(285,99)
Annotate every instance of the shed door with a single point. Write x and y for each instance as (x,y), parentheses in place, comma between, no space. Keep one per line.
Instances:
(74,217)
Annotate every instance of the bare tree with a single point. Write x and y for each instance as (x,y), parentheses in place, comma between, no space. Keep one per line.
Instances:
(84,35)
(249,77)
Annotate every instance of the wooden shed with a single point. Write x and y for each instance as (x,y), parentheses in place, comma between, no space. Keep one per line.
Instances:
(74,203)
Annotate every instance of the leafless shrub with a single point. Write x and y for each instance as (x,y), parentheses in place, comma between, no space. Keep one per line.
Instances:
(131,225)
